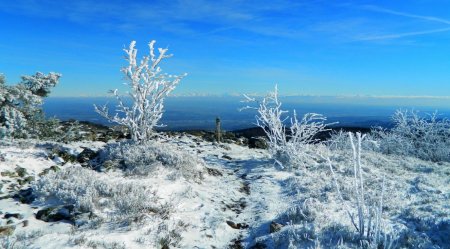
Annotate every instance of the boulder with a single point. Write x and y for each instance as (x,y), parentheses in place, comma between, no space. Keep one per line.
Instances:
(275,227)
(58,213)
(21,171)
(65,154)
(15,215)
(213,172)
(9,174)
(258,143)
(52,168)
(25,196)
(86,155)
(237,225)
(25,180)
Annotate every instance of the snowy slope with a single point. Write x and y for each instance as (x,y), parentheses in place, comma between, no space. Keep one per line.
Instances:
(234,204)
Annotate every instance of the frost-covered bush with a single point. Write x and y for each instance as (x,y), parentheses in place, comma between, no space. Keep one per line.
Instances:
(146,158)
(364,211)
(90,191)
(340,143)
(21,114)
(20,240)
(52,129)
(149,86)
(413,135)
(289,146)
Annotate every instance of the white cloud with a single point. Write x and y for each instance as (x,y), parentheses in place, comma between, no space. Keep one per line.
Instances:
(398,13)
(401,35)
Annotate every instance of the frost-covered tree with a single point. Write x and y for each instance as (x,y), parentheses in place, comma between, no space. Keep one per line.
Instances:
(20,104)
(148,88)
(288,145)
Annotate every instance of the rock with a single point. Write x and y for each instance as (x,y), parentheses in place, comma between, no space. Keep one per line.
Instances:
(257,143)
(242,141)
(25,223)
(227,157)
(236,243)
(26,180)
(15,215)
(52,168)
(275,227)
(237,225)
(25,196)
(7,230)
(86,155)
(245,188)
(64,154)
(213,172)
(21,171)
(232,224)
(9,173)
(225,146)
(58,213)
(9,222)
(259,245)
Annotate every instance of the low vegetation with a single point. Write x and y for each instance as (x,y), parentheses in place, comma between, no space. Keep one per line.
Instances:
(146,158)
(289,145)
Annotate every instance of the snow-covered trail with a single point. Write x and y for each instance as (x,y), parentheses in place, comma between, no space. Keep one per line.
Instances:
(241,198)
(259,197)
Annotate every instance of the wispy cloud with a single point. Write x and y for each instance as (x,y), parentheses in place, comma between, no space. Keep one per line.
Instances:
(401,35)
(295,20)
(185,16)
(397,35)
(399,13)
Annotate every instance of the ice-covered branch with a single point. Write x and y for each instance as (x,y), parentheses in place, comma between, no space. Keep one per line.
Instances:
(369,224)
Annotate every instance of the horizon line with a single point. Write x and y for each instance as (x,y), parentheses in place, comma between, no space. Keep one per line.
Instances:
(193,95)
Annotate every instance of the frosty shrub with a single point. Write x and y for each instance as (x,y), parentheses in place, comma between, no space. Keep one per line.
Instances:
(364,211)
(424,138)
(21,114)
(146,158)
(54,130)
(290,145)
(339,142)
(90,191)
(148,88)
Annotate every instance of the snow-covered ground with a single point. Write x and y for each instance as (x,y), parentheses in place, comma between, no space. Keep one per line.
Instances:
(241,200)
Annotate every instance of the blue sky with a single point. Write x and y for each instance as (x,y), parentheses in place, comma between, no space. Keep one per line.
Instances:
(376,48)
